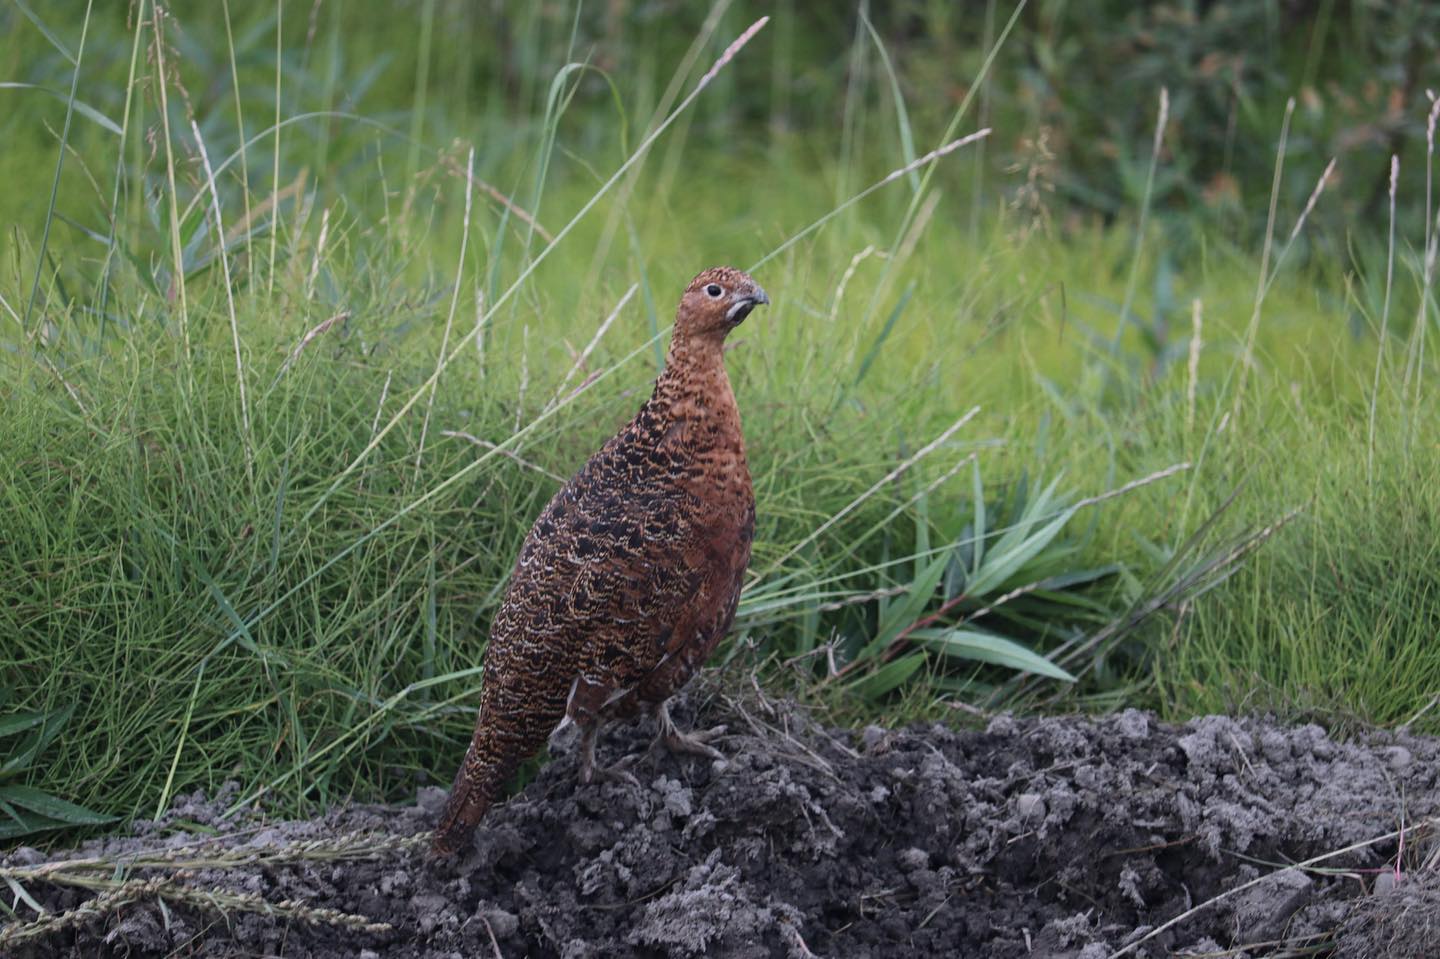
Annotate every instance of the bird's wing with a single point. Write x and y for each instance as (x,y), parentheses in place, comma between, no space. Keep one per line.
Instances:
(603,581)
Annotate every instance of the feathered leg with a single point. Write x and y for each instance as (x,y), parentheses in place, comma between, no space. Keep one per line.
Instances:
(589,772)
(587,700)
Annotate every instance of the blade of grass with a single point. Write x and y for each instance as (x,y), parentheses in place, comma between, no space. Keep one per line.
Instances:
(889,178)
(64,51)
(1162,117)
(902,117)
(81,107)
(163,802)
(1247,357)
(971,644)
(1382,340)
(60,157)
(177,254)
(450,317)
(246,433)
(239,125)
(275,159)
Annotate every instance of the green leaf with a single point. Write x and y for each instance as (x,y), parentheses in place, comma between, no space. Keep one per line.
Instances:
(47,805)
(888,677)
(23,824)
(809,626)
(955,575)
(34,743)
(55,722)
(1073,603)
(902,117)
(988,648)
(46,32)
(922,525)
(907,608)
(24,896)
(962,686)
(82,108)
(13,815)
(885,331)
(977,491)
(1007,557)
(1080,577)
(10,725)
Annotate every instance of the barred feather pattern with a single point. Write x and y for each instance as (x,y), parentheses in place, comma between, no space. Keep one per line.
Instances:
(631,575)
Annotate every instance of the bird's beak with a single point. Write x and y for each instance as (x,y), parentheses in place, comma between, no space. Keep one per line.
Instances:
(743,304)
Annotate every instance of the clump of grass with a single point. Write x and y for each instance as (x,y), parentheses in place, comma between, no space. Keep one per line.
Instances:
(27,738)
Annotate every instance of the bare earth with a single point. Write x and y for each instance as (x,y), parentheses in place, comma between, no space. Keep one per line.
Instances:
(1057,837)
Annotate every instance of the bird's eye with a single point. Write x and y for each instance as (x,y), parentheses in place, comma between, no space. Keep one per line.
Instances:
(714,291)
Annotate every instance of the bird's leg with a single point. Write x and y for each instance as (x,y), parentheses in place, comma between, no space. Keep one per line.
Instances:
(587,698)
(589,772)
(694,743)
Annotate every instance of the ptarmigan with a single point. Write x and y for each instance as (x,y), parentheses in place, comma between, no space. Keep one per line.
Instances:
(632,573)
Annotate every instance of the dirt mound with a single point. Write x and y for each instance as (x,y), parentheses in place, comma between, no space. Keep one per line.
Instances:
(1039,838)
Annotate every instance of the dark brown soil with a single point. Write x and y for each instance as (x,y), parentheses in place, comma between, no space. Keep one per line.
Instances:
(1057,837)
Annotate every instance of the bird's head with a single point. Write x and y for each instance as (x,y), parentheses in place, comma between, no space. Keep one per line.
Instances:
(717,301)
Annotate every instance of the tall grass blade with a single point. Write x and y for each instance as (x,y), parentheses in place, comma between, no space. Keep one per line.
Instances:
(60,155)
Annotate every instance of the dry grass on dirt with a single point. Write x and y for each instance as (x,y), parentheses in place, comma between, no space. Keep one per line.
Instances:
(1053,837)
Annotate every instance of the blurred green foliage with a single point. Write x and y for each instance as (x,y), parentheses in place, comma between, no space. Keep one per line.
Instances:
(1073,92)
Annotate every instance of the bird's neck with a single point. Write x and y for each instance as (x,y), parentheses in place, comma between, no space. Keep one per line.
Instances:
(694,389)
(702,354)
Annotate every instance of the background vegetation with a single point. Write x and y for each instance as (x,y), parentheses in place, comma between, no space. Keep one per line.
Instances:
(305,311)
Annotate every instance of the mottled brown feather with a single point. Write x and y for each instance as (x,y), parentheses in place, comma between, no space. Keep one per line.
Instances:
(632,573)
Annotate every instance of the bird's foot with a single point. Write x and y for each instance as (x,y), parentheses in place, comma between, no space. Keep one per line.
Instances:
(615,773)
(695,743)
(589,772)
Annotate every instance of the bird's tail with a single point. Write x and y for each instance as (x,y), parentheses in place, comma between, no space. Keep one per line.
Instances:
(477,783)
(506,734)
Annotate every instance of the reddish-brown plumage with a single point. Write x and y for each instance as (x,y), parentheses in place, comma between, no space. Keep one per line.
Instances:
(631,574)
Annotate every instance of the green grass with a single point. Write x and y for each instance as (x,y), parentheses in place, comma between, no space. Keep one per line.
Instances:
(255,519)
